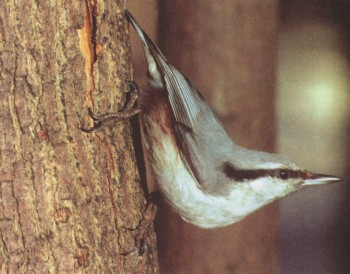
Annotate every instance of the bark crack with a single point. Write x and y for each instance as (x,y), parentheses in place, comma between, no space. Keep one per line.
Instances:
(13,112)
(20,229)
(88,46)
(5,253)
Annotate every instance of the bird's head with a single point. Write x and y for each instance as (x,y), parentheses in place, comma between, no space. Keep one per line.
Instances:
(267,177)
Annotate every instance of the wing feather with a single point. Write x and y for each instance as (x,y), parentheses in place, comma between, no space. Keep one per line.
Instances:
(183,97)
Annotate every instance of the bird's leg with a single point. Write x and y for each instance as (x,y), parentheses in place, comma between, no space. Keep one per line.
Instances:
(129,111)
(141,231)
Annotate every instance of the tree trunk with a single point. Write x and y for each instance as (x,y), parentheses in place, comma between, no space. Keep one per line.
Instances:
(67,199)
(228,50)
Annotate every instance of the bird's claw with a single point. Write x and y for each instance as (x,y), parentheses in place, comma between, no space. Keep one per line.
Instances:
(127,112)
(132,85)
(142,229)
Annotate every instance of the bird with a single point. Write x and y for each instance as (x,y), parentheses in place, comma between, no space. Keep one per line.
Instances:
(208,179)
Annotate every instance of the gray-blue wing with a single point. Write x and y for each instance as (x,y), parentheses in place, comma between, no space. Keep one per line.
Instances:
(183,97)
(197,128)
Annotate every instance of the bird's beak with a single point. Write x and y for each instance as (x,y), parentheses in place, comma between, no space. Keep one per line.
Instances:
(311,179)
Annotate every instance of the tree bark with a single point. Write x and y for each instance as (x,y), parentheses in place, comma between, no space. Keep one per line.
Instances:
(67,199)
(228,50)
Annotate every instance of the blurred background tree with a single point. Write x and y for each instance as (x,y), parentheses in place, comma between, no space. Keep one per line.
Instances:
(218,48)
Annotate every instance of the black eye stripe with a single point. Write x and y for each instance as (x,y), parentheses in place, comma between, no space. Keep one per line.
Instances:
(283,174)
(241,175)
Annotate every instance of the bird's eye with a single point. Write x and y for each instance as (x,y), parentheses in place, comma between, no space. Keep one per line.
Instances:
(283,174)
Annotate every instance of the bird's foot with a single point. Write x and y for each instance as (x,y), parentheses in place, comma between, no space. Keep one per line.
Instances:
(141,231)
(130,110)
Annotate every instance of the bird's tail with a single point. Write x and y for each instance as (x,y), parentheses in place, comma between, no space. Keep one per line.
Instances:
(153,54)
(184,98)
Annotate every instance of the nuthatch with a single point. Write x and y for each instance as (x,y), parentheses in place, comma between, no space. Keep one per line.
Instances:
(207,178)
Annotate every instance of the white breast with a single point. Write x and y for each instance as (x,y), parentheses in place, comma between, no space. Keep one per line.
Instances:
(196,206)
(182,192)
